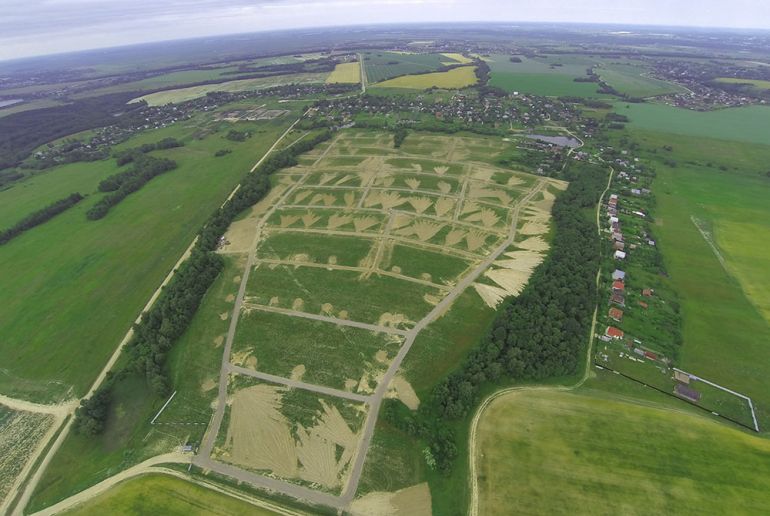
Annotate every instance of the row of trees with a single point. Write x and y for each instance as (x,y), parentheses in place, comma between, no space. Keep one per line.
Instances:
(39,217)
(130,155)
(399,135)
(537,335)
(170,316)
(124,183)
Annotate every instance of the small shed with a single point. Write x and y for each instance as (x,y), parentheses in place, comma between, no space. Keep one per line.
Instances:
(620,255)
(687,392)
(617,274)
(681,376)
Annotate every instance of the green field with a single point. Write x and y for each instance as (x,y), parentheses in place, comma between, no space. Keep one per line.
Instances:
(381,66)
(162,494)
(756,83)
(129,438)
(555,452)
(634,81)
(746,124)
(538,76)
(78,284)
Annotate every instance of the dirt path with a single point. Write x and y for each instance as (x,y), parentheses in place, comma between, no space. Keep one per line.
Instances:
(300,385)
(362,66)
(38,473)
(59,410)
(473,510)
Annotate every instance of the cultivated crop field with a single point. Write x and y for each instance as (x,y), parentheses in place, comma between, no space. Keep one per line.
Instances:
(20,435)
(384,65)
(349,73)
(451,79)
(356,249)
(550,452)
(549,75)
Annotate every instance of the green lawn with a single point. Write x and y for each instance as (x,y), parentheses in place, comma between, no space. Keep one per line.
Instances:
(556,452)
(77,285)
(747,124)
(161,494)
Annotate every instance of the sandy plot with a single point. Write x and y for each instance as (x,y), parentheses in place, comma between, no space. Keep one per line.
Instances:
(559,184)
(400,220)
(239,358)
(534,228)
(534,214)
(344,179)
(535,243)
(470,207)
(443,206)
(388,200)
(326,199)
(288,220)
(343,314)
(218,341)
(326,177)
(258,434)
(381,356)
(475,239)
(431,299)
(401,389)
(416,167)
(444,187)
(521,260)
(336,220)
(396,269)
(364,223)
(301,196)
(327,308)
(298,372)
(479,192)
(298,304)
(350,384)
(482,174)
(420,204)
(413,183)
(511,280)
(486,216)
(308,219)
(224,315)
(350,199)
(390,320)
(411,501)
(454,237)
(239,236)
(208,384)
(423,229)
(274,301)
(440,170)
(514,181)
(237,279)
(332,260)
(492,296)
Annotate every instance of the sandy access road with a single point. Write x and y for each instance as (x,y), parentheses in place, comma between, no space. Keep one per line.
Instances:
(473,510)
(32,484)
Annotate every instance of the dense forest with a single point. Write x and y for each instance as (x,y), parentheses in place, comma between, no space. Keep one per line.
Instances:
(537,335)
(170,316)
(124,183)
(39,217)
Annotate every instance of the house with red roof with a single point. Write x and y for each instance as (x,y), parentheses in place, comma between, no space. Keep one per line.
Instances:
(616,314)
(614,333)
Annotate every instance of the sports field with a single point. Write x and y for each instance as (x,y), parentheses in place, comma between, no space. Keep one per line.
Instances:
(557,452)
(348,73)
(118,261)
(163,494)
(174,96)
(453,79)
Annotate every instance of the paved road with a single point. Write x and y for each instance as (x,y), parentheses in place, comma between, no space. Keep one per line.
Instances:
(299,384)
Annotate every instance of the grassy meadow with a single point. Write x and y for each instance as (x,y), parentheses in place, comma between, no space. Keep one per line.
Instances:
(381,66)
(632,79)
(556,452)
(348,73)
(161,494)
(78,284)
(549,76)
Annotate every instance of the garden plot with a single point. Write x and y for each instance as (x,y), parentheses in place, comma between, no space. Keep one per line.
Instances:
(297,435)
(317,352)
(20,435)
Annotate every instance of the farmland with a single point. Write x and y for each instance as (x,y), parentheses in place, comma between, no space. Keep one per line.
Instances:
(626,457)
(163,494)
(452,79)
(756,83)
(381,66)
(549,76)
(20,434)
(633,80)
(119,260)
(193,92)
(349,73)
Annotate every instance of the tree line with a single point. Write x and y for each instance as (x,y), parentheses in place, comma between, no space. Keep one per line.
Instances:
(39,217)
(129,155)
(172,313)
(537,335)
(124,183)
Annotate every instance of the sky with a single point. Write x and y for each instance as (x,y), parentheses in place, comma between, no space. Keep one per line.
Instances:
(38,27)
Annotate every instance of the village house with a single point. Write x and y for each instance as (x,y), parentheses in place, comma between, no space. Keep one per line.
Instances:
(617,274)
(616,314)
(618,286)
(620,255)
(613,333)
